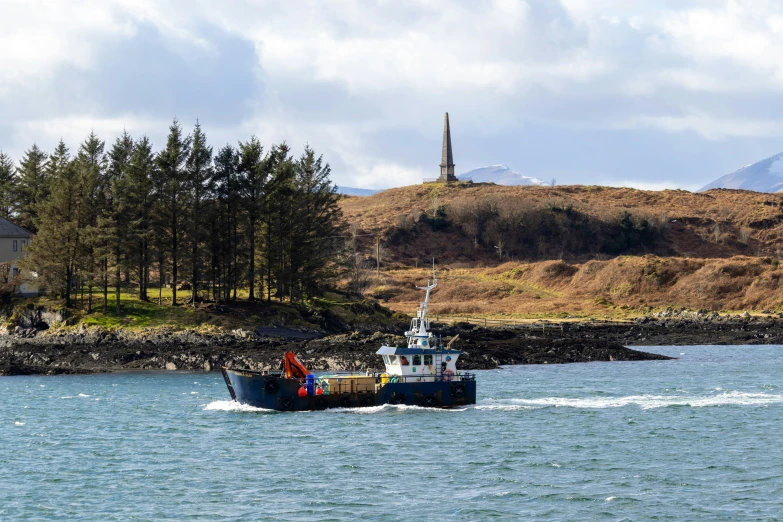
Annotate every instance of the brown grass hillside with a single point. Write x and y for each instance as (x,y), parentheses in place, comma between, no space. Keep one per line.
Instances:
(717,223)
(572,249)
(623,286)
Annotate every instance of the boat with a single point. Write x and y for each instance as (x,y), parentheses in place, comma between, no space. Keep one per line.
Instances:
(424,373)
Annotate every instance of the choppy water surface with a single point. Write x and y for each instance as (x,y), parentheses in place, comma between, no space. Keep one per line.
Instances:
(696,438)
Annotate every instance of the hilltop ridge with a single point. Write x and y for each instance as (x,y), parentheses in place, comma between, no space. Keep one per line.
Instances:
(464,222)
(583,250)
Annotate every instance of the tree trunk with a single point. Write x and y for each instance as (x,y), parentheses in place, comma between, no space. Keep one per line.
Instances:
(140,268)
(195,274)
(252,296)
(174,253)
(145,270)
(106,284)
(160,274)
(117,276)
(68,280)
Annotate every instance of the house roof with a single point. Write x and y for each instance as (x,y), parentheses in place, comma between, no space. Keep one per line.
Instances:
(8,229)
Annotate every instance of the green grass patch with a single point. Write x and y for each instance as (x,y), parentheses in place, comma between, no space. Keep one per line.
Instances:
(135,313)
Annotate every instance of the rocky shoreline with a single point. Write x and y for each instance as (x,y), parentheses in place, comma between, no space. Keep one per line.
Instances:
(25,352)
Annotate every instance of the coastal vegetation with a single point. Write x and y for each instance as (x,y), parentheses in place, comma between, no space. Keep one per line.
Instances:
(187,218)
(235,226)
(573,251)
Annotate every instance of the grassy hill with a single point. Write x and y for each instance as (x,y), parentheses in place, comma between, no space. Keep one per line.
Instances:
(580,250)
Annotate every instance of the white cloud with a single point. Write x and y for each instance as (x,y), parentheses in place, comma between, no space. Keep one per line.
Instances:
(689,66)
(36,39)
(711,127)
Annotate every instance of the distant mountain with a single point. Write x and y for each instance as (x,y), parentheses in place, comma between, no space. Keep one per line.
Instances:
(351,191)
(497,174)
(764,176)
(500,175)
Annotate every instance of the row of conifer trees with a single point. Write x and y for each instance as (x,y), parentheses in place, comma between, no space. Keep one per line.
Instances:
(237,218)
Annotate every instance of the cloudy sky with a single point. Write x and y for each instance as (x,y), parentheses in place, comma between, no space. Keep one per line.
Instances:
(646,93)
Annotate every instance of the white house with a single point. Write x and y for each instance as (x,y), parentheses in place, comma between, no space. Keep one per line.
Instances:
(13,243)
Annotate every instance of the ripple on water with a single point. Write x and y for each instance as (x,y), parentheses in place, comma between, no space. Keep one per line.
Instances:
(697,438)
(733,398)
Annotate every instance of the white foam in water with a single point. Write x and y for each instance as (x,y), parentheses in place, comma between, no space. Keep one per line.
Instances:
(500,406)
(643,401)
(231,406)
(235,406)
(19,423)
(83,395)
(365,410)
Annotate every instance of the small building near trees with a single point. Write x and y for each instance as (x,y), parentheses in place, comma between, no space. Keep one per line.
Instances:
(13,244)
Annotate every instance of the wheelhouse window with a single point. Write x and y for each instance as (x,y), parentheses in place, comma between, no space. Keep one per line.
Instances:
(403,360)
(416,360)
(16,245)
(386,359)
(428,359)
(392,359)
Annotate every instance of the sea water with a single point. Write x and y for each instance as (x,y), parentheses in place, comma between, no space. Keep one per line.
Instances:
(697,438)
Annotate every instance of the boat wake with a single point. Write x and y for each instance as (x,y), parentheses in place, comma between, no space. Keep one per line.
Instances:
(392,408)
(234,406)
(645,402)
(367,410)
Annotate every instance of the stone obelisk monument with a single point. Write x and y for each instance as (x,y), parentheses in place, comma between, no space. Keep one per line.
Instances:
(447,160)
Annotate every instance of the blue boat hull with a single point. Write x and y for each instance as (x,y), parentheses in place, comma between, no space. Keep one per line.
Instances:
(278,393)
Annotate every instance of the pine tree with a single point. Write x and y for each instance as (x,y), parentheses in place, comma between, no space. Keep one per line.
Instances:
(226,238)
(140,200)
(91,169)
(55,252)
(32,187)
(317,226)
(7,185)
(253,176)
(279,218)
(117,213)
(174,197)
(200,185)
(240,219)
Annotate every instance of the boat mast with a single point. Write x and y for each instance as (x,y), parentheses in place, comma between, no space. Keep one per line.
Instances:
(421,313)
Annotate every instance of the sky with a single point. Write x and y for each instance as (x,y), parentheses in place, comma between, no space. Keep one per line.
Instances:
(649,93)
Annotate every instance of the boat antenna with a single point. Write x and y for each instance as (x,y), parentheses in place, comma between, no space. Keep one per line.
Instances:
(422,312)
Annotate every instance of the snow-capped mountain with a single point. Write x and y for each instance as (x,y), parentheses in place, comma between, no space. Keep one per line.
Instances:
(352,191)
(764,176)
(500,175)
(497,174)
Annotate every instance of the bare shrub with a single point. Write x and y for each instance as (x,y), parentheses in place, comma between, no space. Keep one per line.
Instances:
(717,233)
(560,269)
(744,235)
(10,281)
(359,273)
(405,222)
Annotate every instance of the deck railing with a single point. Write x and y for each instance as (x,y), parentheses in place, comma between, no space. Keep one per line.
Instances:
(461,376)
